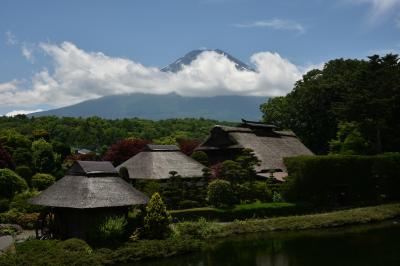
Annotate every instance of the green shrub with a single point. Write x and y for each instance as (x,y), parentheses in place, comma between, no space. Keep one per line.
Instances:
(201,229)
(4,205)
(277,197)
(25,172)
(220,193)
(11,183)
(26,220)
(243,211)
(109,230)
(340,179)
(42,181)
(20,202)
(75,244)
(252,191)
(157,219)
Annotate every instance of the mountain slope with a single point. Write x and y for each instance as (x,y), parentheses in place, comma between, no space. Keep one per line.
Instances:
(152,106)
(192,55)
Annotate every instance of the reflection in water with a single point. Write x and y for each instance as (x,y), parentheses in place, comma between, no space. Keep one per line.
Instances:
(363,245)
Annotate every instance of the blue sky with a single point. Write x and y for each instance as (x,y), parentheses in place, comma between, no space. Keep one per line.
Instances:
(46,47)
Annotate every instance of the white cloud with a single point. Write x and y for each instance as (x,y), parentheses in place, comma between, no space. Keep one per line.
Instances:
(276,24)
(9,86)
(10,38)
(27,52)
(22,112)
(79,75)
(378,8)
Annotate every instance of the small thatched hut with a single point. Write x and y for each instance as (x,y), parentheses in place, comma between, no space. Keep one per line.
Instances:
(92,168)
(157,161)
(268,144)
(79,202)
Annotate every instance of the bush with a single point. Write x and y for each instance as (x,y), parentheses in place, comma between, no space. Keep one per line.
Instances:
(4,205)
(198,230)
(243,211)
(11,183)
(26,220)
(20,202)
(157,219)
(109,230)
(75,244)
(10,229)
(253,191)
(339,179)
(42,181)
(25,172)
(220,193)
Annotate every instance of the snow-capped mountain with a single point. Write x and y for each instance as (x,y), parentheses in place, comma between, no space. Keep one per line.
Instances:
(192,55)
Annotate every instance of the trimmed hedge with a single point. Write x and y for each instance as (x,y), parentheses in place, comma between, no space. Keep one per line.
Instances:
(243,211)
(343,180)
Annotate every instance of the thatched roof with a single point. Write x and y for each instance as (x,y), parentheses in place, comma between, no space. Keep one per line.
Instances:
(269,146)
(92,168)
(81,192)
(157,163)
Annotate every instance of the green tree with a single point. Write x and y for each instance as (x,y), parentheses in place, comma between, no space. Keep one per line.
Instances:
(11,183)
(43,156)
(157,219)
(220,193)
(233,171)
(349,140)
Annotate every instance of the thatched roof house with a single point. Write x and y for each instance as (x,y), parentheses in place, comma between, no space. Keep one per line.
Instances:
(268,144)
(157,161)
(81,192)
(80,202)
(92,168)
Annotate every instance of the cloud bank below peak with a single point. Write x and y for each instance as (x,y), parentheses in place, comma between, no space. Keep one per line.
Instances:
(80,75)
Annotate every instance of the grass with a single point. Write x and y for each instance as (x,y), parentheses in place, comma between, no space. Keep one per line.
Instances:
(187,237)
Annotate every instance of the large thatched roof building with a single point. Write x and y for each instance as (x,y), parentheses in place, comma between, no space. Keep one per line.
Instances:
(157,161)
(268,144)
(78,202)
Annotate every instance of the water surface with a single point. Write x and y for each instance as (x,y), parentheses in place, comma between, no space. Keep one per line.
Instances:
(371,245)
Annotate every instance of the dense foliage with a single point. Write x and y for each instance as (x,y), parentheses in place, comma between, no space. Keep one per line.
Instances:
(11,183)
(333,179)
(363,93)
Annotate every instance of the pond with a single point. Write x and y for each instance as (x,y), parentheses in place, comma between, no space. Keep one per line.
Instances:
(366,245)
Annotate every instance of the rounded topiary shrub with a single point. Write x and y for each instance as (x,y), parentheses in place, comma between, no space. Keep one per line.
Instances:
(11,183)
(220,193)
(42,181)
(25,172)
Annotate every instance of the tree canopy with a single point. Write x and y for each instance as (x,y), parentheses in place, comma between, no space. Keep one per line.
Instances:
(363,93)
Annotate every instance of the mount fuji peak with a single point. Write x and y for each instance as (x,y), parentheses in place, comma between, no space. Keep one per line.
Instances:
(192,55)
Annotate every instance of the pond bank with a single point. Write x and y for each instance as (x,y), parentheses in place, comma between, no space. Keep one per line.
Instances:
(187,237)
(206,230)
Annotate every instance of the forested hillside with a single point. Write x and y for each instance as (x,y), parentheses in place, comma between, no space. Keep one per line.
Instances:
(94,132)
